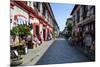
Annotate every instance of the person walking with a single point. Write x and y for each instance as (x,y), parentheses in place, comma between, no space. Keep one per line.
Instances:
(88,42)
(35,41)
(29,41)
(40,37)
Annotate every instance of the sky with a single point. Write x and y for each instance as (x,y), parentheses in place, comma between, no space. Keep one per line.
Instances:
(61,12)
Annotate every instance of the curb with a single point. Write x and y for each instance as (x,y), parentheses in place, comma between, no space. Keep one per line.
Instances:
(45,50)
(38,55)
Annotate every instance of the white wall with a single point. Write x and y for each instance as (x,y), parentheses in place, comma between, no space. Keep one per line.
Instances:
(18,11)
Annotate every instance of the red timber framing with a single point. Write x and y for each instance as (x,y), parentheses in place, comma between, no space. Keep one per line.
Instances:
(44,33)
(30,10)
(33,13)
(35,25)
(44,29)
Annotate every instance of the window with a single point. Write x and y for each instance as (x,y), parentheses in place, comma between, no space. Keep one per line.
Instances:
(37,5)
(84,12)
(29,3)
(93,10)
(78,16)
(44,10)
(74,20)
(48,17)
(25,2)
(34,4)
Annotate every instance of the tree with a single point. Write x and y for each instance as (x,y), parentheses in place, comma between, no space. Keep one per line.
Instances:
(69,28)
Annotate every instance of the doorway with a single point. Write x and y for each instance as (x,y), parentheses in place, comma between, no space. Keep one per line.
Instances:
(37,30)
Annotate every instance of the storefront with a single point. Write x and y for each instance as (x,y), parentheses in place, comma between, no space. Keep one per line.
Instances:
(18,16)
(36,26)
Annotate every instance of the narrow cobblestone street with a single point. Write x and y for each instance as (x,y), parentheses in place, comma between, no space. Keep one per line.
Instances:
(61,52)
(51,33)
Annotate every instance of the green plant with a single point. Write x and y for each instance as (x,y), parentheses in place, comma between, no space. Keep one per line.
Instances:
(69,27)
(21,30)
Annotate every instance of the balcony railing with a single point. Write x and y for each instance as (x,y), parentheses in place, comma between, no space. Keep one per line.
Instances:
(87,20)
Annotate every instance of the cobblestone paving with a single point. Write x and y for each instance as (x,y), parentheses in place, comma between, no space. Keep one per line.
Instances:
(62,52)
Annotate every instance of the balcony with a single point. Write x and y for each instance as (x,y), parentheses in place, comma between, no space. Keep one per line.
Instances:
(87,20)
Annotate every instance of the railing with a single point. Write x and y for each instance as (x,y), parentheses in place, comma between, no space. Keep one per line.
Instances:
(87,20)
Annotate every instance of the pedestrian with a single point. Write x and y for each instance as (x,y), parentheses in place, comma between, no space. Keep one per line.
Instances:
(40,37)
(49,36)
(35,40)
(88,42)
(29,41)
(80,41)
(75,41)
